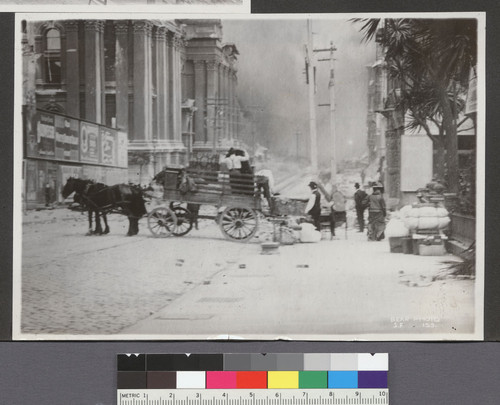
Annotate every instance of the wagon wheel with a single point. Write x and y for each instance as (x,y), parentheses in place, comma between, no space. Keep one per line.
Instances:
(239,223)
(183,224)
(161,222)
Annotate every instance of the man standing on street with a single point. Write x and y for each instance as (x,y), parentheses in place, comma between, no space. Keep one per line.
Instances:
(376,214)
(360,200)
(313,207)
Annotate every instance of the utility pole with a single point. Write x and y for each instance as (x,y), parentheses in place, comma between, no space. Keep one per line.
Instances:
(331,88)
(312,103)
(297,135)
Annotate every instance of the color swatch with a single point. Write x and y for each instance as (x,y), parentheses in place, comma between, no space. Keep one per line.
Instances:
(252,371)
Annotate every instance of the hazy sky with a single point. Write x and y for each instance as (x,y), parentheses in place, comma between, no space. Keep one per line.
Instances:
(271,65)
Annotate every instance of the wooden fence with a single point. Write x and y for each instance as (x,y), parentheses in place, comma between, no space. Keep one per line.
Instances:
(463,228)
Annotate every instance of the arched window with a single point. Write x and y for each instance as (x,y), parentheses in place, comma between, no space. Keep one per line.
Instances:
(53,40)
(52,56)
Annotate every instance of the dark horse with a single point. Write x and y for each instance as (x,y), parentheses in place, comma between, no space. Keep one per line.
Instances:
(99,198)
(79,199)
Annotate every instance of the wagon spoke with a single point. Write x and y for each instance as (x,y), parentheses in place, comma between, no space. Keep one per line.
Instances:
(161,221)
(230,227)
(239,223)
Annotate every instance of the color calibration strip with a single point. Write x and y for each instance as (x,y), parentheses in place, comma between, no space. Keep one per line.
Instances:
(252,371)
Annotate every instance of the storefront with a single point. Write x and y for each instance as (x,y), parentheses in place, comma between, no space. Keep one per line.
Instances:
(58,147)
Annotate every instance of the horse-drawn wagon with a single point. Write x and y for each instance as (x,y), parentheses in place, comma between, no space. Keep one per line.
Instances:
(237,198)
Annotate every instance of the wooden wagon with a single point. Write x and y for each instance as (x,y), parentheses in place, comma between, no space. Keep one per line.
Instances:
(236,196)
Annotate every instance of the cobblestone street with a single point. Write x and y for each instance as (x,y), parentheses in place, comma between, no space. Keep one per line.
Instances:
(202,285)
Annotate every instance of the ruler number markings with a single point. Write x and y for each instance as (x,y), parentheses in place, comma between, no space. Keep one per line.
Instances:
(254,397)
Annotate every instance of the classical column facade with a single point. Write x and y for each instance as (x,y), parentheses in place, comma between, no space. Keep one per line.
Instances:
(212,97)
(200,86)
(236,112)
(227,108)
(170,85)
(72,68)
(94,68)
(122,74)
(177,91)
(232,114)
(142,83)
(161,83)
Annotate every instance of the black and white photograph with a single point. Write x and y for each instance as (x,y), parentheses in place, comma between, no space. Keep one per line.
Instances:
(303,177)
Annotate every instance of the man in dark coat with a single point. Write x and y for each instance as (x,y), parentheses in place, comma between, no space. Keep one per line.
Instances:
(313,207)
(361,202)
(376,214)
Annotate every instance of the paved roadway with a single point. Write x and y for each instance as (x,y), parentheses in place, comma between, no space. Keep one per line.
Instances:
(204,285)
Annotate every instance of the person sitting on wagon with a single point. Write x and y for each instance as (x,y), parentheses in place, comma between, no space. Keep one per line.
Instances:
(233,161)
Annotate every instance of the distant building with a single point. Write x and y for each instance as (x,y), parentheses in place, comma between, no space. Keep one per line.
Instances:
(209,78)
(117,100)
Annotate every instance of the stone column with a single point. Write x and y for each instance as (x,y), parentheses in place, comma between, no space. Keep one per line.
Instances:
(212,97)
(231,104)
(200,96)
(236,112)
(94,79)
(121,73)
(100,38)
(142,125)
(169,74)
(161,82)
(220,104)
(227,107)
(39,79)
(72,69)
(177,100)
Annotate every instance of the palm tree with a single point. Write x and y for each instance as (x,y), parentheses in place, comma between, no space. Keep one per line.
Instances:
(429,60)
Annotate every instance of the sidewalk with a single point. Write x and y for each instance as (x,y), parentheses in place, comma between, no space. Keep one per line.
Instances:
(341,287)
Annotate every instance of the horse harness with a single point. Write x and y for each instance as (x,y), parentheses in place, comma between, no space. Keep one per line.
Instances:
(90,203)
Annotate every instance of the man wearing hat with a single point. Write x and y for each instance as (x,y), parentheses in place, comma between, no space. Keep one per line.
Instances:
(376,213)
(361,203)
(313,207)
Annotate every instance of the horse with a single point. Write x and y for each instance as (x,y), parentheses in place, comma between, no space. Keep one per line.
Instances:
(79,199)
(126,199)
(192,208)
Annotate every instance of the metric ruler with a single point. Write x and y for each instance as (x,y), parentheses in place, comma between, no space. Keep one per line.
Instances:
(253,397)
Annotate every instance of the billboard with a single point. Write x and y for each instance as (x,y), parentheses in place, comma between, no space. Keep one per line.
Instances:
(67,142)
(89,143)
(57,137)
(40,135)
(108,146)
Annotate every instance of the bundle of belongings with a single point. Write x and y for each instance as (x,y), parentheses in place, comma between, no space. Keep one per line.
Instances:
(425,217)
(186,184)
(289,206)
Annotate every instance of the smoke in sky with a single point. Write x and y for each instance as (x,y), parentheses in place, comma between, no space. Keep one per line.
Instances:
(271,76)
